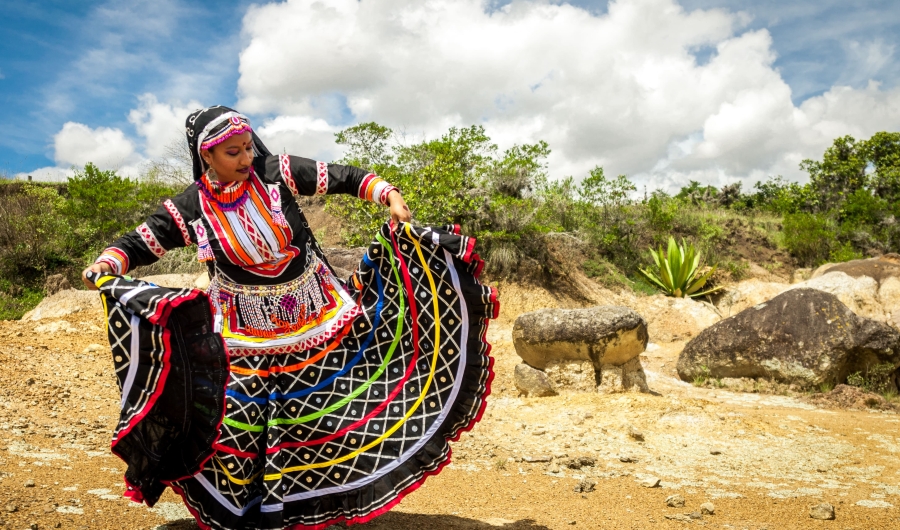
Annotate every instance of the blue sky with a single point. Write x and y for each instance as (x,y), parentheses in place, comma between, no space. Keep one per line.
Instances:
(90,62)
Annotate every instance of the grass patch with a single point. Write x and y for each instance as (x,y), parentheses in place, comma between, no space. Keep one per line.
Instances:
(13,307)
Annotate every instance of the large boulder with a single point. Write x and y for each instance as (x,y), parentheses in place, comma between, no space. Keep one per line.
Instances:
(672,319)
(601,335)
(802,336)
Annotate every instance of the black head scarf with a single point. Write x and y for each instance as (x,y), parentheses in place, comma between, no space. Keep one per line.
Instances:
(205,123)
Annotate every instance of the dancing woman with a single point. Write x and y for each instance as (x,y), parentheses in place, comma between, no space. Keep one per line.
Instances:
(285,397)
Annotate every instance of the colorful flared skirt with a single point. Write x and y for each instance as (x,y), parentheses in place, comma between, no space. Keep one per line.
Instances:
(340,432)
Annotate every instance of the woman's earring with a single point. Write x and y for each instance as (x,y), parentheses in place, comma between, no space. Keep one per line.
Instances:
(211,174)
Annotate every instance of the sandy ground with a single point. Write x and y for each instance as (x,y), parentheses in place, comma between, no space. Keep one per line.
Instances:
(762,460)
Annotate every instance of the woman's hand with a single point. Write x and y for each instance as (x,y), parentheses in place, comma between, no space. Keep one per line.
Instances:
(96,267)
(399,210)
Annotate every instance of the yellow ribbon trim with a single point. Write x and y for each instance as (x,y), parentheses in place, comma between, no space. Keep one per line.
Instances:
(241,482)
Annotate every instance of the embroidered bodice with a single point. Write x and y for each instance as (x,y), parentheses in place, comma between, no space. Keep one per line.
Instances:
(268,288)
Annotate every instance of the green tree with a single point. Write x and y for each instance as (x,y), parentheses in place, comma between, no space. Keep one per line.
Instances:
(882,151)
(839,174)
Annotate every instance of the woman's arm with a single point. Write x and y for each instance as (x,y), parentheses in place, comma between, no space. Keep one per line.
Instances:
(304,176)
(164,230)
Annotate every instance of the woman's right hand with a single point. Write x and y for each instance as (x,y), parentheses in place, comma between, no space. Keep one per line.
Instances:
(97,268)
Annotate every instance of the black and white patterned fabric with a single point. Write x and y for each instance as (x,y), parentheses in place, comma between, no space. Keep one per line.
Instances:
(342,431)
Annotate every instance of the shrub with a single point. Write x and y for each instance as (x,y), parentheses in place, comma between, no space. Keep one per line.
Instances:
(809,237)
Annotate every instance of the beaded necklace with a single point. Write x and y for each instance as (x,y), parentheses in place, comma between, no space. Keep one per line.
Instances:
(228,196)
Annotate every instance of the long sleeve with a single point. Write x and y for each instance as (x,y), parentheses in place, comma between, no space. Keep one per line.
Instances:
(304,176)
(164,230)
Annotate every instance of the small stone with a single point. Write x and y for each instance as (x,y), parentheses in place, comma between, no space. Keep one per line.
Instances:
(635,433)
(33,526)
(91,348)
(695,515)
(533,459)
(650,482)
(627,459)
(554,469)
(585,486)
(823,512)
(29,381)
(12,508)
(707,508)
(29,483)
(675,501)
(715,451)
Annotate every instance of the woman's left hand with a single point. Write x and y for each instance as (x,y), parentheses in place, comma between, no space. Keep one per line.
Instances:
(399,210)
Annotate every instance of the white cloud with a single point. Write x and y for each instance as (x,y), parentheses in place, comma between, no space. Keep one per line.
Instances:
(622,89)
(77,144)
(160,124)
(310,137)
(47,174)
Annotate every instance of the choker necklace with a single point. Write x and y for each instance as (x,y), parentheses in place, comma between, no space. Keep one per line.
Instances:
(229,195)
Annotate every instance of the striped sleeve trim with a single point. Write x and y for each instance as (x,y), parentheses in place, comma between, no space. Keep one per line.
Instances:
(286,175)
(150,240)
(116,259)
(179,221)
(321,178)
(375,189)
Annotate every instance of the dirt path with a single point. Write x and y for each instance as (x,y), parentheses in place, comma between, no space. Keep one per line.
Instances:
(762,460)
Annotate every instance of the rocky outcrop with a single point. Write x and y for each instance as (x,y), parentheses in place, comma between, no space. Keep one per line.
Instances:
(56,283)
(674,319)
(869,288)
(601,335)
(344,260)
(63,303)
(532,382)
(879,269)
(176,281)
(803,336)
(746,294)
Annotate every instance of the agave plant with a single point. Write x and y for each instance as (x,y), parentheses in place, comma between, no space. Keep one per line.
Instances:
(678,269)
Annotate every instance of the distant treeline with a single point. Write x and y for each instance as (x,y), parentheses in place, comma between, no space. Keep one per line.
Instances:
(529,227)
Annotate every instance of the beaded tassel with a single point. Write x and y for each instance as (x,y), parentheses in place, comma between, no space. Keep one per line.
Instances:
(204,251)
(268,314)
(275,197)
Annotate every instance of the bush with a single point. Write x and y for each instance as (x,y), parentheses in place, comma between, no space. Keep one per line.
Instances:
(34,238)
(809,237)
(50,229)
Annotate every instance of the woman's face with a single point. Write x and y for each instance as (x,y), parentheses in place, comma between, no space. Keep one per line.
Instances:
(232,158)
